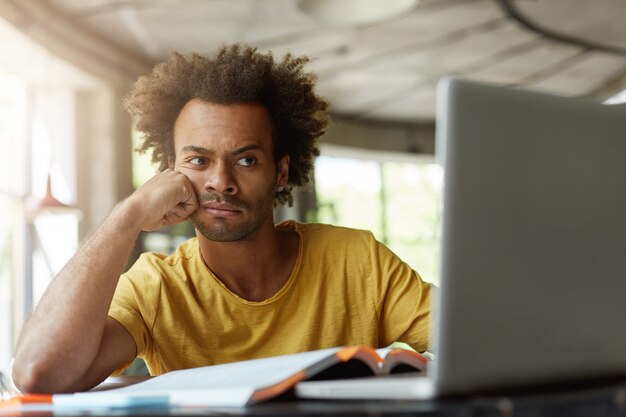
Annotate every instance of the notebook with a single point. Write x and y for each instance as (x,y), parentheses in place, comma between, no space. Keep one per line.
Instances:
(533,276)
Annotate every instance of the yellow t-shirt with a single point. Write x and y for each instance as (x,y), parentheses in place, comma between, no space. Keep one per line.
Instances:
(346,288)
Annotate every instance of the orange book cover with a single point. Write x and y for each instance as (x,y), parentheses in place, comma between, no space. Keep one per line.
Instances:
(18,401)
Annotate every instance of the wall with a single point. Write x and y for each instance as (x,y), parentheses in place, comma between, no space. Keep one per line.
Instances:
(392,137)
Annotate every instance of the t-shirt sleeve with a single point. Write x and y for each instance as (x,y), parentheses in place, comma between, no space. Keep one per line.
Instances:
(134,306)
(405,304)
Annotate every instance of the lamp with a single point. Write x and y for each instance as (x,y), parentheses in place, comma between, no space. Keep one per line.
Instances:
(49,205)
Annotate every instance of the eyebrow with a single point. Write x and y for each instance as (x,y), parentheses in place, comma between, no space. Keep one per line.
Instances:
(196,149)
(204,151)
(251,147)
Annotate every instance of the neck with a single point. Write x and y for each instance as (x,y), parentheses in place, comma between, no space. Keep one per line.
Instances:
(254,268)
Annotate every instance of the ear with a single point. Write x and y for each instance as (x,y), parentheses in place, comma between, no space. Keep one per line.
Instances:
(283,171)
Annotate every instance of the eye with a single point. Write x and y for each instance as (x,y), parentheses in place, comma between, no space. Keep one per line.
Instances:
(246,161)
(197,160)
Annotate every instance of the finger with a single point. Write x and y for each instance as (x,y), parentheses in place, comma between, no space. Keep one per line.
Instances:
(190,206)
(173,218)
(190,199)
(181,211)
(165,192)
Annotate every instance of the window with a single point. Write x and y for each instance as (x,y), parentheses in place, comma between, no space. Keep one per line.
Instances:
(37,138)
(12,188)
(397,197)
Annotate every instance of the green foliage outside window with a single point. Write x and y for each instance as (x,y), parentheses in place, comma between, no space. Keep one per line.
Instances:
(398,201)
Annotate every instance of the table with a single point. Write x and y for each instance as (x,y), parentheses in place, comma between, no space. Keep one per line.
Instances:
(594,401)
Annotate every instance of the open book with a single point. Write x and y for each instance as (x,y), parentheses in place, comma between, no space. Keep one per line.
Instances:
(249,382)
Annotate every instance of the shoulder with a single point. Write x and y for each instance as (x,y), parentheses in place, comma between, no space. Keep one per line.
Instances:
(152,279)
(329,233)
(159,265)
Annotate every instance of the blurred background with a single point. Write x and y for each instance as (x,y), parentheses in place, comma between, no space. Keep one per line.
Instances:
(67,145)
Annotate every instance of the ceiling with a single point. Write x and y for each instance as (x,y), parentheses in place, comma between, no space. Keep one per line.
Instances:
(386,70)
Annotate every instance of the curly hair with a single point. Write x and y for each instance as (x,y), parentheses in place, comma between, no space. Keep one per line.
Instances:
(237,74)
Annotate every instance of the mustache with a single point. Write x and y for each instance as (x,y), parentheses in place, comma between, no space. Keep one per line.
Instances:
(218,198)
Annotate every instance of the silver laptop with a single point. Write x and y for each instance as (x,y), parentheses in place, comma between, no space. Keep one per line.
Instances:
(533,278)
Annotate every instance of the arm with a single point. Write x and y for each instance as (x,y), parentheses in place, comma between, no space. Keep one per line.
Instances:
(69,343)
(405,306)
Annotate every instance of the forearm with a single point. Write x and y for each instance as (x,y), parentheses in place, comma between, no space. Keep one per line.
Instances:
(62,337)
(60,346)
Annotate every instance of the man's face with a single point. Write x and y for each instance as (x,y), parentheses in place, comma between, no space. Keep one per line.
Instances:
(226,152)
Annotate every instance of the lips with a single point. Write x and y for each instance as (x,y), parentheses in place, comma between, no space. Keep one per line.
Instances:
(220,209)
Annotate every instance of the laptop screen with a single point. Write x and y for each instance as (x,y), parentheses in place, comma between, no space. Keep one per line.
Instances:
(533,278)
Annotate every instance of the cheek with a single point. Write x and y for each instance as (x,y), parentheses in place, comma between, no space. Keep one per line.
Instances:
(261,184)
(196,178)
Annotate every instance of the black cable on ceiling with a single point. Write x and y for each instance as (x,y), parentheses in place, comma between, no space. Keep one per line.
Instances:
(513,12)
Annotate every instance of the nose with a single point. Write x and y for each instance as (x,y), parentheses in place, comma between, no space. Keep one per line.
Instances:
(220,179)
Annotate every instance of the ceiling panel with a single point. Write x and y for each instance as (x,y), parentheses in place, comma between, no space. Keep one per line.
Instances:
(593,71)
(383,70)
(597,21)
(520,68)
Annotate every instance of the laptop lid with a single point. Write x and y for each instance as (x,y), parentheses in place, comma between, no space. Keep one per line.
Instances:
(534,239)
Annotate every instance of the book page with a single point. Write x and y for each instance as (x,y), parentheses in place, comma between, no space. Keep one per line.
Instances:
(383,352)
(256,373)
(396,358)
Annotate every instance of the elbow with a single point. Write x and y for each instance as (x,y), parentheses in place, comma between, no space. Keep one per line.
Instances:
(24,376)
(32,377)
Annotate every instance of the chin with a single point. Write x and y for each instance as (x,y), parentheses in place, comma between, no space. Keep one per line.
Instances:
(222,232)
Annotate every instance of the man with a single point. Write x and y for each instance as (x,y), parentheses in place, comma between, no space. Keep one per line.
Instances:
(233,136)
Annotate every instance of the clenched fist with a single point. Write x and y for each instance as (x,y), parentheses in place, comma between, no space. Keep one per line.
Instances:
(167,198)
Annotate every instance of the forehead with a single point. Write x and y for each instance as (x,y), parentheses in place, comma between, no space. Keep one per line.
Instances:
(211,124)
